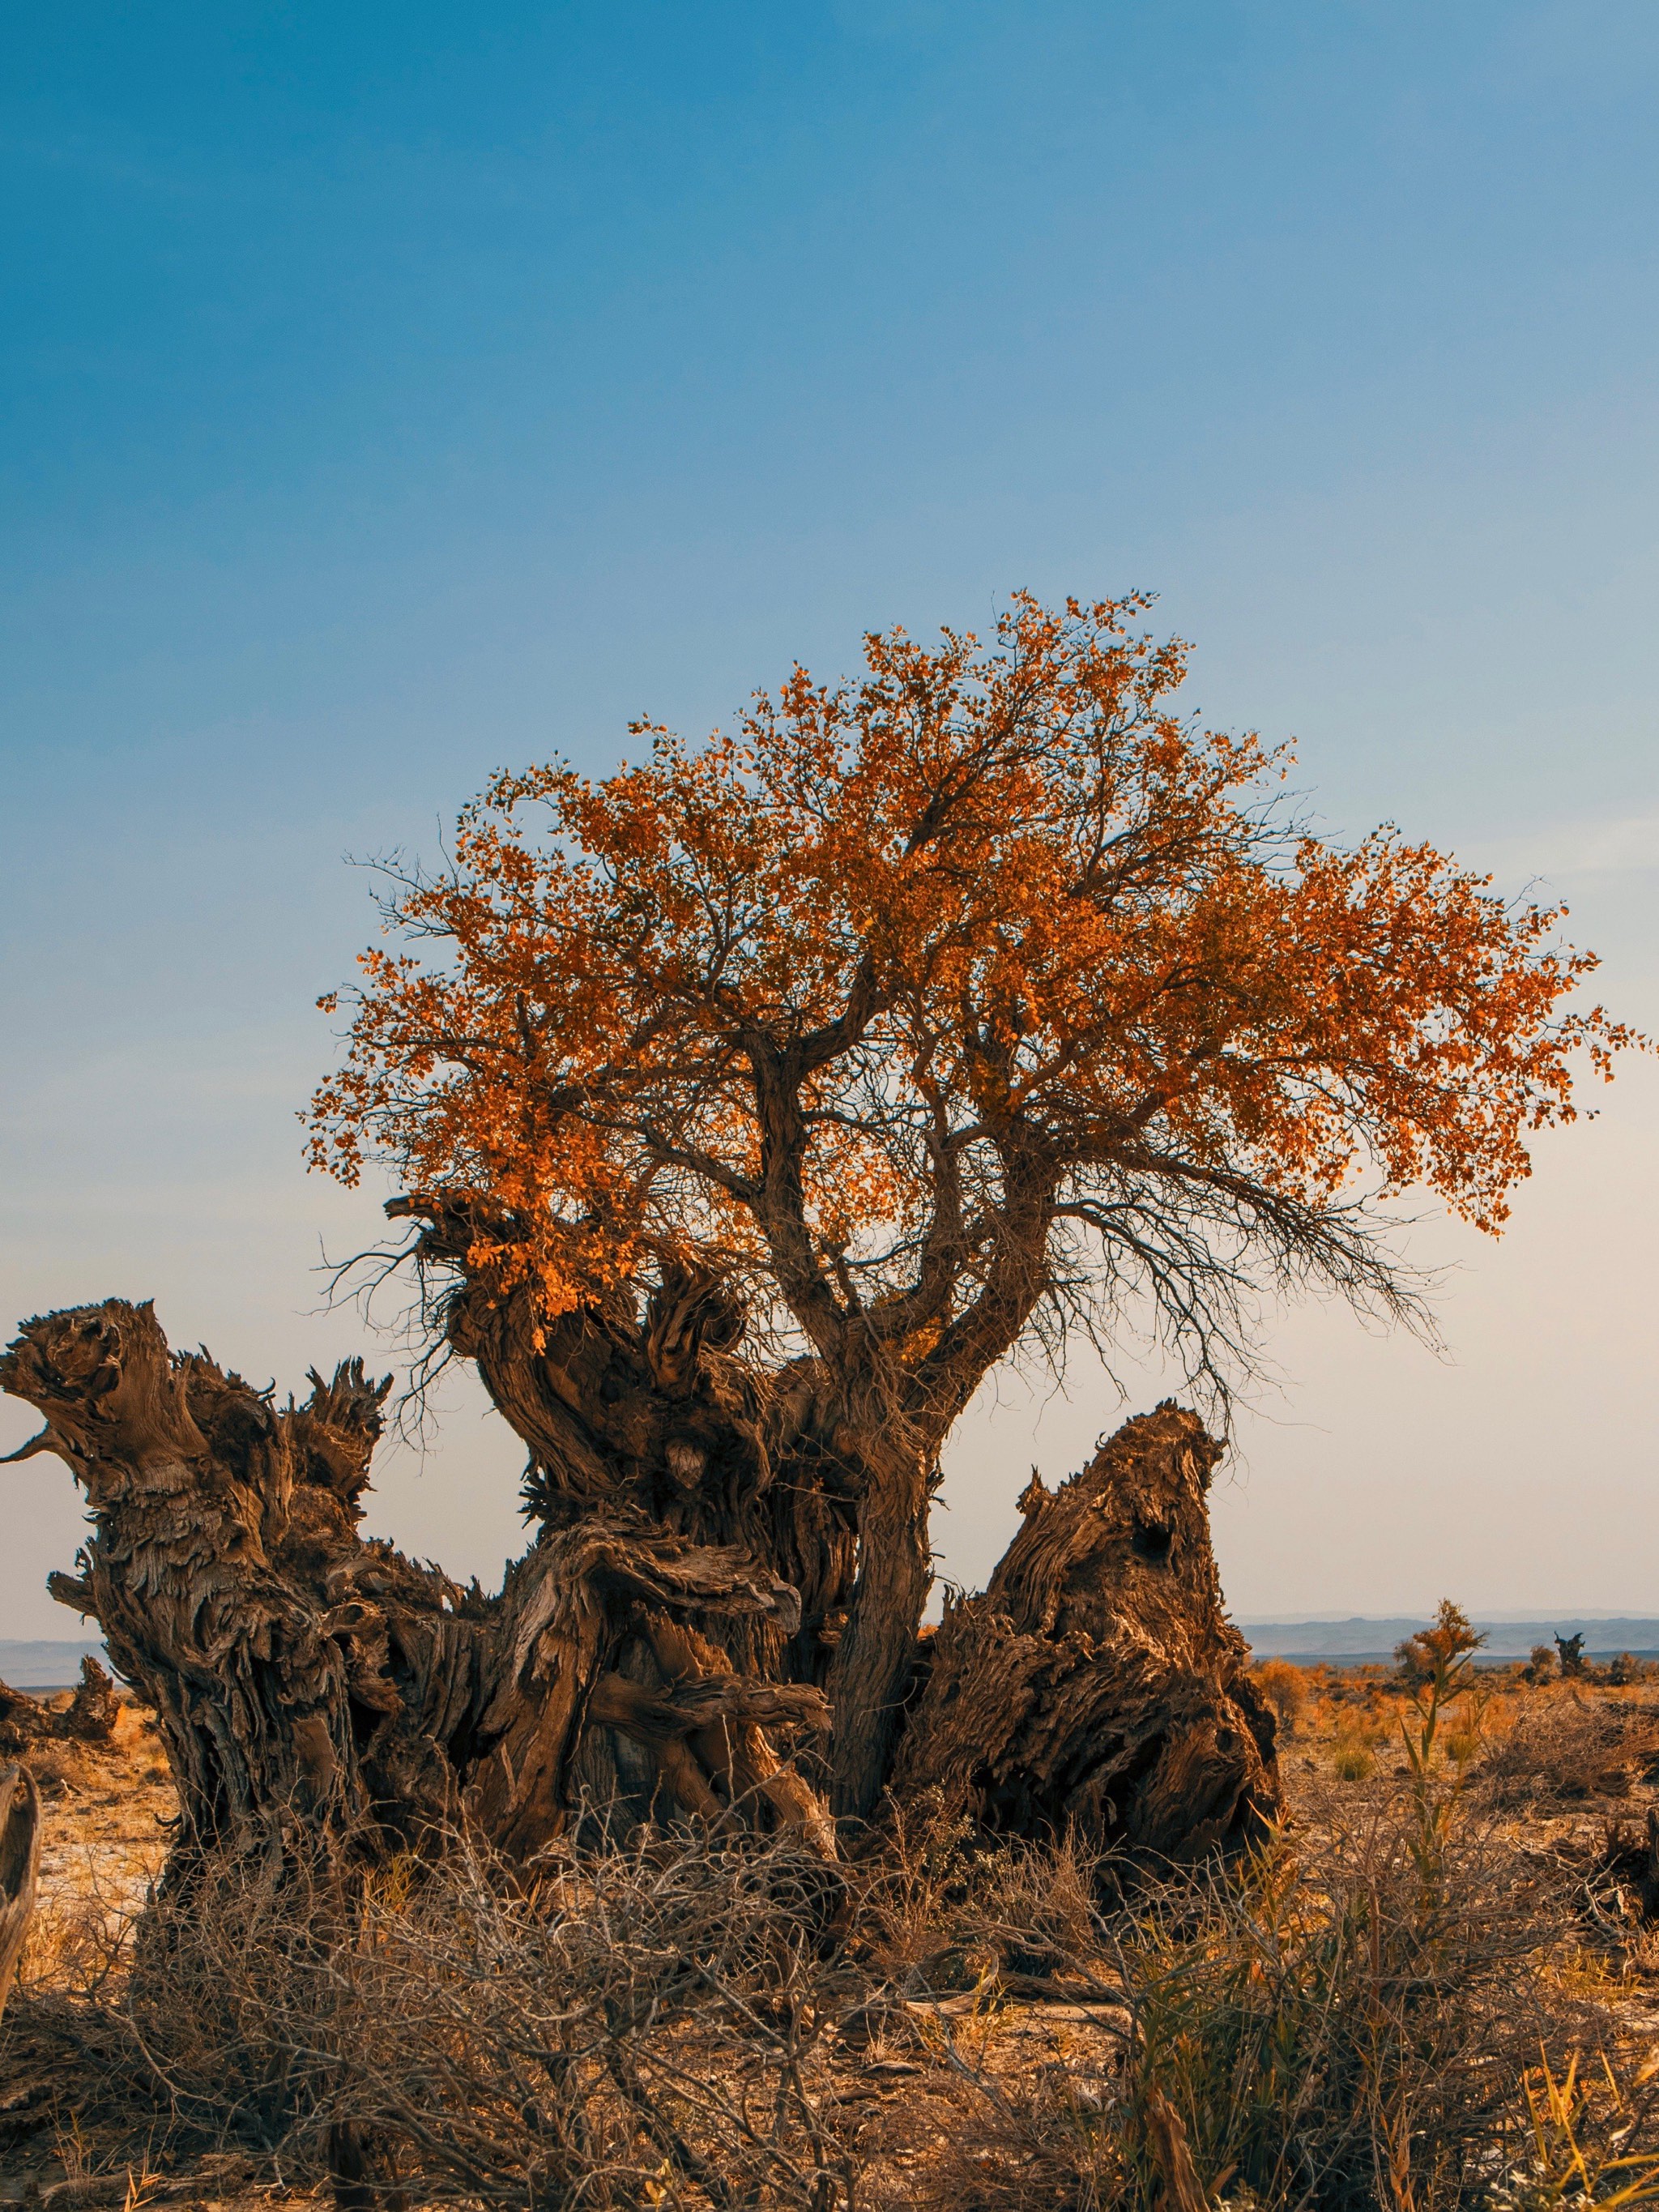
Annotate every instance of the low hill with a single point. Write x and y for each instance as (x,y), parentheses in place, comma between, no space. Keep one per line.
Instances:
(45,1663)
(1364,1635)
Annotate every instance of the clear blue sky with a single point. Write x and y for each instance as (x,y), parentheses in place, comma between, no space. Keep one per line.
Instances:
(388,394)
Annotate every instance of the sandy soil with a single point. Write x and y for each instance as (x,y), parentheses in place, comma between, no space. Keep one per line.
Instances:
(105,1836)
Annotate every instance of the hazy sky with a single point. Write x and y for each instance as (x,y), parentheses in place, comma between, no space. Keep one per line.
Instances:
(389,393)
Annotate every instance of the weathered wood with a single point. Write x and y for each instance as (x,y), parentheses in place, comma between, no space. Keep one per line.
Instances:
(647,1656)
(653,1407)
(89,1716)
(20,1866)
(1096,1686)
(303,1678)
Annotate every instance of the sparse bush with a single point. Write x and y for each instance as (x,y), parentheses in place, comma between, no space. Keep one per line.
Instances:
(1336,2030)
(1570,1746)
(1366,2015)
(1540,1667)
(1447,1642)
(1286,1688)
(1353,1759)
(1362,1723)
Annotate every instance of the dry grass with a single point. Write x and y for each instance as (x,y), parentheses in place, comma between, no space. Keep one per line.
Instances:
(1418,1995)
(1573,1744)
(105,1810)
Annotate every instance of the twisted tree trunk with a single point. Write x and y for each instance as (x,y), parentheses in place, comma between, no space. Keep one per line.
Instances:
(20,1866)
(305,1679)
(711,1556)
(1097,1687)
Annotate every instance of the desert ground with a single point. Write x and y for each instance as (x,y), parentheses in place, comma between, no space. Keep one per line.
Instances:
(983,2032)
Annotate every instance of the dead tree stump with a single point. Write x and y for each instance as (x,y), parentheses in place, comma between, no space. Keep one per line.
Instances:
(89,1716)
(20,1866)
(1097,1687)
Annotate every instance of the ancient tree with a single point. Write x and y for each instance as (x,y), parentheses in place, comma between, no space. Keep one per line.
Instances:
(747,1109)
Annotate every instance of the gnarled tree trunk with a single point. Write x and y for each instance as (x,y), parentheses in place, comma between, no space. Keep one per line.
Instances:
(305,1679)
(1097,1687)
(20,1866)
(665,1645)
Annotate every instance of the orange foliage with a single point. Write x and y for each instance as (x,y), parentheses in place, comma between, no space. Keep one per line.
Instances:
(920,1002)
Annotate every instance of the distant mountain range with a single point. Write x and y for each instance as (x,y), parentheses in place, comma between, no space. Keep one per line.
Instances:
(1364,1635)
(43,1664)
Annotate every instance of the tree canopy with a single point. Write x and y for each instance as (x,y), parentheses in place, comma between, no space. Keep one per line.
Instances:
(984,997)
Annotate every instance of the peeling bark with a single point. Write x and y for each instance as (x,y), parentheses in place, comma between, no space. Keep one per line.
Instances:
(683,1625)
(1097,1685)
(304,1677)
(20,1866)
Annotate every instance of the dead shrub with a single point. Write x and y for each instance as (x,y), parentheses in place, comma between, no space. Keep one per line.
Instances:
(1568,1747)
(608,2028)
(80,1938)
(1355,2017)
(1286,1688)
(1622,1887)
(939,1908)
(1044,2139)
(60,1770)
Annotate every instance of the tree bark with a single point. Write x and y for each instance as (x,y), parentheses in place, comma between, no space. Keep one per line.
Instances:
(20,1866)
(1097,1686)
(877,1655)
(664,1647)
(307,1681)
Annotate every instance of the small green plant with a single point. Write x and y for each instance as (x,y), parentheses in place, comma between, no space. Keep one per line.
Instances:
(1353,1759)
(1439,1663)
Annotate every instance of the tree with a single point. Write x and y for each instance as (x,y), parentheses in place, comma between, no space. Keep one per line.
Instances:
(922,1020)
(752,1104)
(20,1865)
